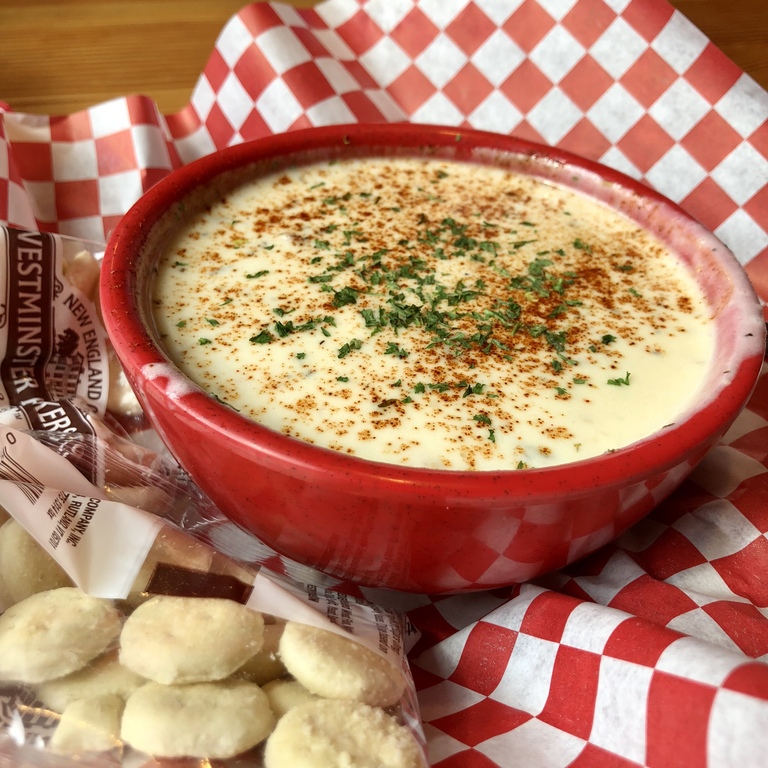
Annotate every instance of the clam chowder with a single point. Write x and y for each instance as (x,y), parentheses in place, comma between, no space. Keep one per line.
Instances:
(434,314)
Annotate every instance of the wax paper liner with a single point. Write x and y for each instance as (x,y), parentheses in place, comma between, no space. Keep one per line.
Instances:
(650,652)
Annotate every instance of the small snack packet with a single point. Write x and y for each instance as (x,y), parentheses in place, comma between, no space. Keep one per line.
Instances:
(126,637)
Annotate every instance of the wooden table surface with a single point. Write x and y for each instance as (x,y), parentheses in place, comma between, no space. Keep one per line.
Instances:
(58,56)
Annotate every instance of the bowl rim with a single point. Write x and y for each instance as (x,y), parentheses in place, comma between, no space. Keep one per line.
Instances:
(136,348)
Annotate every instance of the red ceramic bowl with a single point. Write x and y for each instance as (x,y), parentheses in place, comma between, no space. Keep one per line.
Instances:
(425,530)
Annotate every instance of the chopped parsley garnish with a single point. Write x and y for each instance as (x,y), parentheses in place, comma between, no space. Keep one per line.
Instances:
(620,382)
(265,337)
(582,246)
(224,402)
(473,389)
(344,296)
(345,349)
(396,350)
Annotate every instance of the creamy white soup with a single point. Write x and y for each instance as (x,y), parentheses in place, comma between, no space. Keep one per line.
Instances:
(433,314)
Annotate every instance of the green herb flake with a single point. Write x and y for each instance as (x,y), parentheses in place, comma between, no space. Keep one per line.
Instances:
(396,350)
(344,296)
(284,329)
(620,382)
(181,324)
(350,346)
(203,341)
(258,274)
(265,337)
(582,246)
(224,402)
(482,418)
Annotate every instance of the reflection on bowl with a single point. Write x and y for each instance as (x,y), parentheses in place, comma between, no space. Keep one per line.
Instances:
(408,527)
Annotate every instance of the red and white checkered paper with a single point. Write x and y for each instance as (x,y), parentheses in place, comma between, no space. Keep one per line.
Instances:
(652,651)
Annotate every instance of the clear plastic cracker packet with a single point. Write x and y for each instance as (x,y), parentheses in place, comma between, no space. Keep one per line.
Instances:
(52,344)
(137,625)
(126,638)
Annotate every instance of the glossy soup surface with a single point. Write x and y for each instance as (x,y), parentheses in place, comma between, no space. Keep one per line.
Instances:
(433,314)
